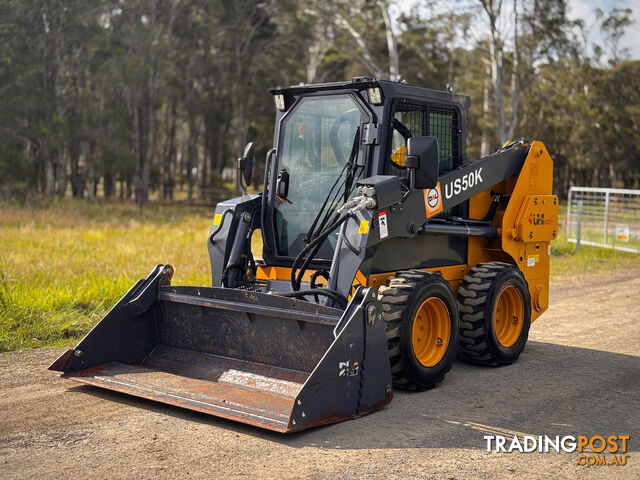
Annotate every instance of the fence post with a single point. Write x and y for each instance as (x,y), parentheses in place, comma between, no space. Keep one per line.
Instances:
(579,225)
(569,211)
(606,216)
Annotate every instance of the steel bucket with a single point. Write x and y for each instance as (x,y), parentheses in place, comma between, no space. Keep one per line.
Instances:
(273,362)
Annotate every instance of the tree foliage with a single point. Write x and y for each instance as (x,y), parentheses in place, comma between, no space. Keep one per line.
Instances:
(134,98)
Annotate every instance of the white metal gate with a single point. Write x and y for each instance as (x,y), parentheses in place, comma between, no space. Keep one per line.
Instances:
(604,217)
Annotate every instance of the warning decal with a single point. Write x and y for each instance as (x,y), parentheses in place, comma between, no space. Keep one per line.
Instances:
(382,222)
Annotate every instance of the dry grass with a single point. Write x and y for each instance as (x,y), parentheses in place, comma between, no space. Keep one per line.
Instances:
(64,264)
(567,262)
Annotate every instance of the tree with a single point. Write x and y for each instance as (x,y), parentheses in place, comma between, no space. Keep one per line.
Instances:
(101,95)
(505,125)
(613,27)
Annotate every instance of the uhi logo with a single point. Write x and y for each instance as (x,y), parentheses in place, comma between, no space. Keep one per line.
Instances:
(538,219)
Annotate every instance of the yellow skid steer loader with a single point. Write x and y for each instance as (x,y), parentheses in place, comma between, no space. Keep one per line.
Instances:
(386,253)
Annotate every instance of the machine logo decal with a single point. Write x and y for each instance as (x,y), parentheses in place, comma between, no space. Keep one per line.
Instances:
(538,219)
(463,183)
(433,198)
(382,222)
(348,368)
(433,201)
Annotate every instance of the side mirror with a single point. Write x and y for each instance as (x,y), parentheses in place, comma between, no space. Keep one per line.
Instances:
(245,167)
(422,157)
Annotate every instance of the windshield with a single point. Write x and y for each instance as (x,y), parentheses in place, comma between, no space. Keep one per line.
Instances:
(315,145)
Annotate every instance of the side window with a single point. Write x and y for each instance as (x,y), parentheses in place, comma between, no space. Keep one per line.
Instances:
(412,121)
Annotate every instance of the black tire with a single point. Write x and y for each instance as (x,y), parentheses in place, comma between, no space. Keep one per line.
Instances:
(477,298)
(401,298)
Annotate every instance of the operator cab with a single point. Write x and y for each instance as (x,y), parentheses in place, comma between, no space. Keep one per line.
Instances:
(329,136)
(318,151)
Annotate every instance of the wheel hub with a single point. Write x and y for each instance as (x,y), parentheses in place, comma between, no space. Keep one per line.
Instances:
(508,316)
(431,331)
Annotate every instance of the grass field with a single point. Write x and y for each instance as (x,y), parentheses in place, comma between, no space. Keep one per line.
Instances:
(64,264)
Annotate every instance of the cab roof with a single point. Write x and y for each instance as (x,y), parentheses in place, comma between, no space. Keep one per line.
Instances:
(389,89)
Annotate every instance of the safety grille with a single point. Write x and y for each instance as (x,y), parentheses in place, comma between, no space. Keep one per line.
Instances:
(442,123)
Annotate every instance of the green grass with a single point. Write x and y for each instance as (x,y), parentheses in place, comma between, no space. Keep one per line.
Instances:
(567,262)
(64,264)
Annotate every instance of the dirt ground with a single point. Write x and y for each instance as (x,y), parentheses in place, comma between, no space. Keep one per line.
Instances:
(580,374)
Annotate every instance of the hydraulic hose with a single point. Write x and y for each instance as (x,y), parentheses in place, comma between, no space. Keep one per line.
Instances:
(311,249)
(337,296)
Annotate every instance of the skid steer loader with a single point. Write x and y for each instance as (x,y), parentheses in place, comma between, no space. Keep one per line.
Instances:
(385,254)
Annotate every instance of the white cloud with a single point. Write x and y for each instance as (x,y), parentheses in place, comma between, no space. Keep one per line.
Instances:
(632,36)
(585,10)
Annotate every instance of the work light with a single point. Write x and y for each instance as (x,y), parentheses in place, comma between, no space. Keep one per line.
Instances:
(375,95)
(278,99)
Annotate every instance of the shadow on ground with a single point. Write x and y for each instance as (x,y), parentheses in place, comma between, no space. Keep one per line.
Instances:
(552,390)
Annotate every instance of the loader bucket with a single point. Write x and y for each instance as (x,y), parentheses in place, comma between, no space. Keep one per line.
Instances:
(261,359)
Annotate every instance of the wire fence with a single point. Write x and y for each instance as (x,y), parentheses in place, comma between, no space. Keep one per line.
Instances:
(604,217)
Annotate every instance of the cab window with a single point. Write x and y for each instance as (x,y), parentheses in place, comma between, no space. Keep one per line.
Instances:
(414,120)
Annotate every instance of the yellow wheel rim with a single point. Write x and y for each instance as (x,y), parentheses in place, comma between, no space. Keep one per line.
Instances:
(508,316)
(431,331)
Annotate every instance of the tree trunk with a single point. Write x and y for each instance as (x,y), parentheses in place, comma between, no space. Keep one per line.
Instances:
(92,169)
(515,80)
(168,181)
(484,146)
(497,78)
(392,44)
(504,129)
(241,128)
(78,172)
(49,171)
(322,40)
(365,58)
(204,164)
(60,173)
(145,141)
(192,153)
(145,148)
(107,183)
(612,176)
